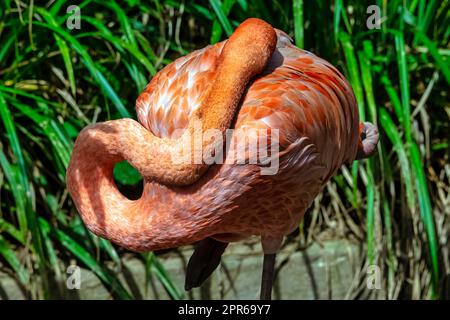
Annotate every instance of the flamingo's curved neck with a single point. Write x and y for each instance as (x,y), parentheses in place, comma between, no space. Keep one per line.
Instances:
(159,219)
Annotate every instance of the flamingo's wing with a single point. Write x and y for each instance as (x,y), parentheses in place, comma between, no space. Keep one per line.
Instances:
(305,96)
(175,92)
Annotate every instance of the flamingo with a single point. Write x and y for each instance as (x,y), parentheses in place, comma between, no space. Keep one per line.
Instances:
(257,79)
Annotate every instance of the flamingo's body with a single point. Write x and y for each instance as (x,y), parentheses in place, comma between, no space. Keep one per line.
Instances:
(303,96)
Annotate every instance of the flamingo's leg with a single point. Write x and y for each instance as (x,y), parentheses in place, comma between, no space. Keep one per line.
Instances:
(203,262)
(267,276)
(271,246)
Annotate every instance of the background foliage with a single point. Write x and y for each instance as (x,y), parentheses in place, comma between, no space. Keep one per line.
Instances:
(54,81)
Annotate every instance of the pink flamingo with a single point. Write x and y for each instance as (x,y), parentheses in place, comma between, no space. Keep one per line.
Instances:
(255,80)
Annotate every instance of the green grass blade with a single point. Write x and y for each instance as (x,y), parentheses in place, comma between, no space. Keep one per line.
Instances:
(442,64)
(392,93)
(28,95)
(109,249)
(11,176)
(353,71)
(21,186)
(123,20)
(217,7)
(370,221)
(404,83)
(298,23)
(216,32)
(64,49)
(243,4)
(84,256)
(6,46)
(14,141)
(426,214)
(366,74)
(65,52)
(52,261)
(7,227)
(161,274)
(347,24)
(121,44)
(394,136)
(337,19)
(429,15)
(52,129)
(10,256)
(90,65)
(148,50)
(391,262)
(56,6)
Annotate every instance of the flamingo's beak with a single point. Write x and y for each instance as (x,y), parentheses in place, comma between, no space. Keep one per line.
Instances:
(368,140)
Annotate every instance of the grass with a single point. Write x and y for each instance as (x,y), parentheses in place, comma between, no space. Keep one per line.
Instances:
(54,81)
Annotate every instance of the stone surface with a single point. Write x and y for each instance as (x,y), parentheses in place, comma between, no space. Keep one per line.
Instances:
(320,272)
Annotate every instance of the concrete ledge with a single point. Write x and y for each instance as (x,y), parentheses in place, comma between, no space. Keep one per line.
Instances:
(323,271)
